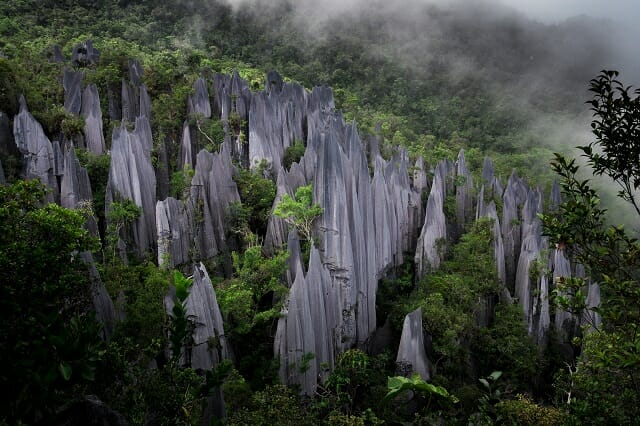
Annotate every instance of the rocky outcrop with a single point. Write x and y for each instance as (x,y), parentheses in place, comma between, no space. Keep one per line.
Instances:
(531,284)
(132,177)
(514,196)
(75,187)
(35,148)
(84,54)
(174,232)
(412,357)
(429,251)
(72,82)
(275,123)
(309,329)
(564,321)
(210,345)
(212,190)
(198,103)
(464,193)
(92,114)
(102,303)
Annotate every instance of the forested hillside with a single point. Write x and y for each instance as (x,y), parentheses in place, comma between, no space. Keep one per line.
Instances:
(267,213)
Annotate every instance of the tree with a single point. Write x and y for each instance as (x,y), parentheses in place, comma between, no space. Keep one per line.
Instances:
(300,212)
(604,386)
(48,333)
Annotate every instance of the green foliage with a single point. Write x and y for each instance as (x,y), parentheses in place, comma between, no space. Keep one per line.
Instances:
(293,154)
(506,346)
(606,373)
(275,405)
(300,212)
(616,122)
(48,334)
(451,296)
(523,411)
(399,385)
(356,385)
(72,125)
(255,277)
(180,183)
(257,194)
(181,327)
(120,215)
(250,303)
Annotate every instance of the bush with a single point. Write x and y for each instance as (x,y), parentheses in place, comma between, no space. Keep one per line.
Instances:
(293,154)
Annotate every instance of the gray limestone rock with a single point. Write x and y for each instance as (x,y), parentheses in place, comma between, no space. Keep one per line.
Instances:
(130,102)
(72,82)
(174,232)
(145,103)
(102,303)
(84,54)
(295,339)
(531,286)
(273,82)
(276,120)
(464,193)
(498,245)
(589,317)
(556,196)
(310,326)
(198,103)
(35,147)
(92,114)
(212,190)
(412,356)
(434,232)
(514,196)
(210,345)
(562,268)
(294,262)
(58,159)
(487,171)
(277,229)
(135,72)
(131,176)
(187,156)
(75,187)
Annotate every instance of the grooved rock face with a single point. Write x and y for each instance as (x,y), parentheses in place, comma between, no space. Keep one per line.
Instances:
(36,149)
(72,82)
(209,341)
(434,232)
(92,120)
(411,353)
(132,177)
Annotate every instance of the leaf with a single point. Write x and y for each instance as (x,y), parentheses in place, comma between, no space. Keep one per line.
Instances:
(495,375)
(484,383)
(65,370)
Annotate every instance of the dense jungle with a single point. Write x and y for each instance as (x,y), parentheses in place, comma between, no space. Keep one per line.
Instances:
(292,213)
